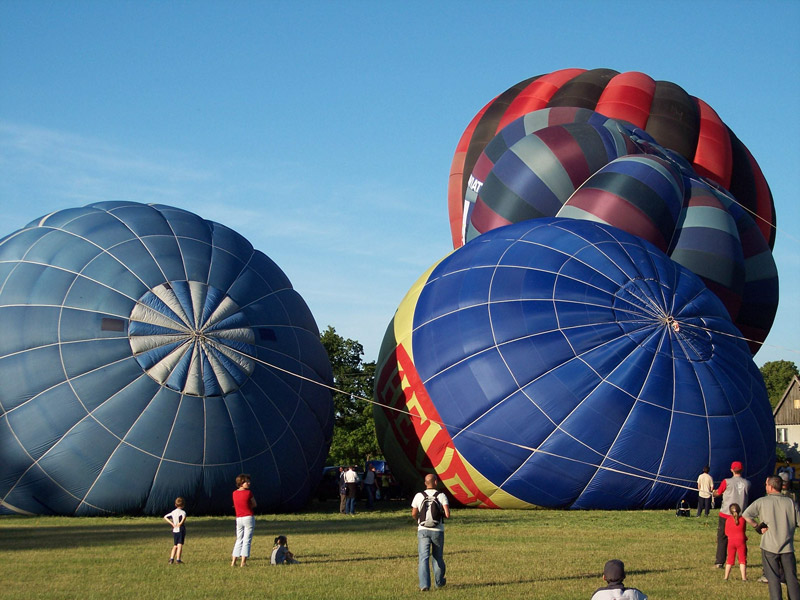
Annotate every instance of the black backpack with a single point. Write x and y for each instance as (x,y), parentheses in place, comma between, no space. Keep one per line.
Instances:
(431,512)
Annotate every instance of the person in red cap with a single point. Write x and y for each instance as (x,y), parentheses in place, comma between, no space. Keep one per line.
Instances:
(614,575)
(734,490)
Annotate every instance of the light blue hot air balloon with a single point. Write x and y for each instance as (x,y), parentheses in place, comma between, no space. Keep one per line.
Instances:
(147,353)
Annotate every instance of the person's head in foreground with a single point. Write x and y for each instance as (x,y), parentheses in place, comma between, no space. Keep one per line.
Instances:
(614,575)
(614,571)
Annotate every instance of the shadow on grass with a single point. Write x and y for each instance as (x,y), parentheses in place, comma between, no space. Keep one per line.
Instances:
(35,533)
(324,558)
(629,579)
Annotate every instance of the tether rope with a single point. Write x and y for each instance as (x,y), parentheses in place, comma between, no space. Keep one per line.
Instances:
(654,479)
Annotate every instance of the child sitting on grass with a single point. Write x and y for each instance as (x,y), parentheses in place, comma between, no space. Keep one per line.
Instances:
(280,552)
(176,519)
(737,540)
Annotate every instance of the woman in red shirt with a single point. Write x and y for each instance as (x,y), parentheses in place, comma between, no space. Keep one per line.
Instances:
(243,503)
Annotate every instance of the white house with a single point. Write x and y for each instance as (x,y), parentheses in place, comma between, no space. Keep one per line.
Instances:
(787,420)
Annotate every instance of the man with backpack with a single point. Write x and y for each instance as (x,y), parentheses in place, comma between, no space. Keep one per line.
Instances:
(430,508)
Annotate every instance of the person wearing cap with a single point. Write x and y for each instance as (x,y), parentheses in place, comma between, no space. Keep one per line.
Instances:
(776,517)
(614,575)
(734,490)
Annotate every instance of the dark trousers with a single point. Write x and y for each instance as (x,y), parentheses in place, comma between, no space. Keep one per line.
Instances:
(703,504)
(722,542)
(773,565)
(370,489)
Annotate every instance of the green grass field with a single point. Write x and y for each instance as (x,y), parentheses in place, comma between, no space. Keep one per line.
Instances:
(490,554)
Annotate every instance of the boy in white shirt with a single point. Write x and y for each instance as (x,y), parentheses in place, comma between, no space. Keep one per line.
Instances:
(176,519)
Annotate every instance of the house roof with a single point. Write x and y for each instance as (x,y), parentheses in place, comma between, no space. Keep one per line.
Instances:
(794,382)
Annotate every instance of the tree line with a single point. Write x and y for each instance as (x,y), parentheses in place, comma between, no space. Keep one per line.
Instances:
(354,440)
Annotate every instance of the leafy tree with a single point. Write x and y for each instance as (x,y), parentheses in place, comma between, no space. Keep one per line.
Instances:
(777,376)
(354,439)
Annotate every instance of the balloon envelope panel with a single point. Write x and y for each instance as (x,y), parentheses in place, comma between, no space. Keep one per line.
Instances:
(535,175)
(587,140)
(676,120)
(134,344)
(566,363)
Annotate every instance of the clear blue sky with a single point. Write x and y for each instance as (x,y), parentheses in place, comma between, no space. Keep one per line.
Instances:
(324,131)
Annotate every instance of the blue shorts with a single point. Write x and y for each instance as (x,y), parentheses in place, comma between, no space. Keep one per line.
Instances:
(179,536)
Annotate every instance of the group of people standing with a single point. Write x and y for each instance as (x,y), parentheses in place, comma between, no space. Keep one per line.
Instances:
(774,516)
(349,482)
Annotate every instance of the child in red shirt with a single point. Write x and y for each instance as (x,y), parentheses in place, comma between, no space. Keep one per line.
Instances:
(737,540)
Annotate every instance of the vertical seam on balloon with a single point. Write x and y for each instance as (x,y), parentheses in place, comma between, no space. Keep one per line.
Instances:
(168,223)
(205,424)
(35,463)
(90,414)
(25,450)
(161,459)
(135,236)
(604,379)
(303,366)
(225,400)
(122,439)
(502,357)
(489,303)
(657,311)
(734,414)
(267,442)
(300,397)
(67,378)
(667,309)
(246,266)
(664,331)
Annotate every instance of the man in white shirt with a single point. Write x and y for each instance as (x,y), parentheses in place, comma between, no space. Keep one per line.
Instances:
(430,535)
(351,480)
(705,488)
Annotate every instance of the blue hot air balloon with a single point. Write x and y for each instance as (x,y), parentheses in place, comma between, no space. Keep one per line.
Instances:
(567,363)
(147,354)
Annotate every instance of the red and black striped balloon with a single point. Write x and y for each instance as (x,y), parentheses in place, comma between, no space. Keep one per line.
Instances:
(663,109)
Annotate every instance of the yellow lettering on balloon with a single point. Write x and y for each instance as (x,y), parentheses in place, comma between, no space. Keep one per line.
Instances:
(455,483)
(447,458)
(431,431)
